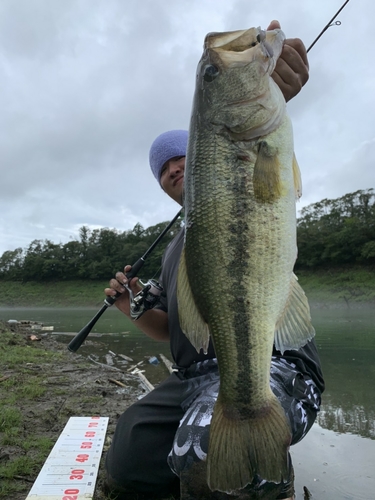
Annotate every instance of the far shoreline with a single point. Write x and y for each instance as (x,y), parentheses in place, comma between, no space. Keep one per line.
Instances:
(351,287)
(314,306)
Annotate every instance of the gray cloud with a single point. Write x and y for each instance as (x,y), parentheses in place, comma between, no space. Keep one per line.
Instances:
(87,85)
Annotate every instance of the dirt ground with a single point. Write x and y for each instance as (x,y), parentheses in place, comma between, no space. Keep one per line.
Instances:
(47,385)
(72,386)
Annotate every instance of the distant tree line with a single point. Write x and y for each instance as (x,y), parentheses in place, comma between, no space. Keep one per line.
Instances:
(330,233)
(333,233)
(97,255)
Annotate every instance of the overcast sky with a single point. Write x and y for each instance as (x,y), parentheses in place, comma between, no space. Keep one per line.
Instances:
(86,85)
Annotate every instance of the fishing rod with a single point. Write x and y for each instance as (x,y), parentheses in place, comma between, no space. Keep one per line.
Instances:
(331,23)
(78,340)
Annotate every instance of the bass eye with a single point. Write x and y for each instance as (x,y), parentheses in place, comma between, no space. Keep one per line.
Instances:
(210,73)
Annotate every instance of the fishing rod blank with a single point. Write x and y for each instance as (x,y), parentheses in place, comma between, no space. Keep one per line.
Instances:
(331,23)
(81,336)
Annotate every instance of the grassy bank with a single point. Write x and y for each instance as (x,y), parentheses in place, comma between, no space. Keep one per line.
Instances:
(52,294)
(349,286)
(41,386)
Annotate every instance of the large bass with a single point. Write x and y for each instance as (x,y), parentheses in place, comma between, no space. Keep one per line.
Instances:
(236,282)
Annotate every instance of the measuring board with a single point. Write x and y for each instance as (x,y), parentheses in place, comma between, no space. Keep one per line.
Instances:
(71,469)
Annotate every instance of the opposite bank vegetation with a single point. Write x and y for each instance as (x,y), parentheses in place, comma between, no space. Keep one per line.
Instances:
(336,258)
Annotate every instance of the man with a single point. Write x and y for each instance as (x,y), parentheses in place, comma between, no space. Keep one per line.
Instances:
(168,429)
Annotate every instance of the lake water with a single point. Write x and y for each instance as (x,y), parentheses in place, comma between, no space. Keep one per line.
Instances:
(336,460)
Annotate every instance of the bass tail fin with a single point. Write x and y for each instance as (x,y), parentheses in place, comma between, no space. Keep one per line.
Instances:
(240,449)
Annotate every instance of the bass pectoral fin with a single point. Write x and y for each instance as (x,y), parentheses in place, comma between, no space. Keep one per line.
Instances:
(266,179)
(191,321)
(294,328)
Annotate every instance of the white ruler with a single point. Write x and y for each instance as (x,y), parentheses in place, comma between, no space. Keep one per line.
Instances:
(71,469)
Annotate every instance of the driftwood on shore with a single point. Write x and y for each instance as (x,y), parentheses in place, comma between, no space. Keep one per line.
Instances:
(26,325)
(109,359)
(117,382)
(103,365)
(134,366)
(167,363)
(126,358)
(146,383)
(134,370)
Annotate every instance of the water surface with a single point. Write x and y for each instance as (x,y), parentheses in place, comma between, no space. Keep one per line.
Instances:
(336,460)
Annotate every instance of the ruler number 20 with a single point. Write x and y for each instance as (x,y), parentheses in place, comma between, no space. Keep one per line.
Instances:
(71,494)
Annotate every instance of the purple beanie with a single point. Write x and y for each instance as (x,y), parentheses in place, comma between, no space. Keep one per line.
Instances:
(165,147)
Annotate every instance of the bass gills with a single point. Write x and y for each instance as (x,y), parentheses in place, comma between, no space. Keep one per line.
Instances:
(235,281)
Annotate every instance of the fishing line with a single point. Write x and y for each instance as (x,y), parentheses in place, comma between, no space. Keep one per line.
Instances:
(331,23)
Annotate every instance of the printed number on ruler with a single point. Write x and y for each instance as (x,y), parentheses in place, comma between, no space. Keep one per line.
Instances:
(72,495)
(70,470)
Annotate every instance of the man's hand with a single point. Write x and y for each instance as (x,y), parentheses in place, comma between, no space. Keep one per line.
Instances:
(117,285)
(154,322)
(292,68)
